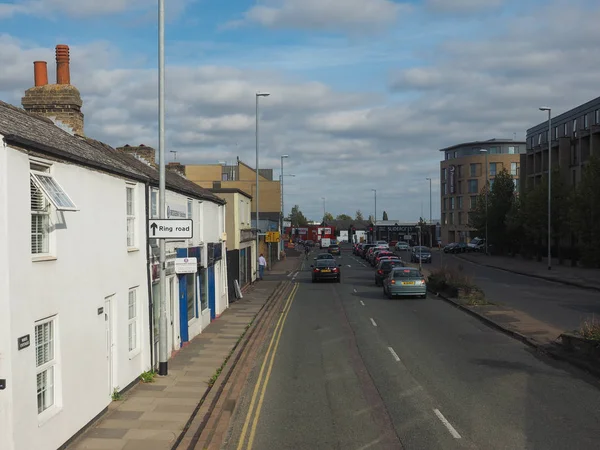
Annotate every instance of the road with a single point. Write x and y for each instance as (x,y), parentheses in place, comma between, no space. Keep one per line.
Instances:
(353,370)
(557,304)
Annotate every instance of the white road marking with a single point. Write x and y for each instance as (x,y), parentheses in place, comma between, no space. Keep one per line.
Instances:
(394,354)
(447,424)
(294,277)
(290,274)
(349,265)
(373,322)
(355,291)
(362,303)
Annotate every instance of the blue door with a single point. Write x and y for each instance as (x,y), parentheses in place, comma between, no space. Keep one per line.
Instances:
(211,292)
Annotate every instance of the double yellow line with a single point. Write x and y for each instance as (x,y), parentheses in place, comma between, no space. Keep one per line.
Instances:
(261,384)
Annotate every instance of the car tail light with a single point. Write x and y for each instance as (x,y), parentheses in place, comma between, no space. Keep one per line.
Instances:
(316,270)
(393,282)
(335,269)
(380,272)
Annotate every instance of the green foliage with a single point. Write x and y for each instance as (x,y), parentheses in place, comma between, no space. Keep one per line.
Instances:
(585,213)
(454,283)
(385,216)
(116,395)
(328,217)
(590,329)
(148,376)
(359,215)
(344,217)
(297,218)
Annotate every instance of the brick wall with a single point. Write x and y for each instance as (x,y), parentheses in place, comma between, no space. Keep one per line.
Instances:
(60,101)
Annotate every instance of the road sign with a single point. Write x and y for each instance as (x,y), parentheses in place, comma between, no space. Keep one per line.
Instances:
(171,229)
(272,236)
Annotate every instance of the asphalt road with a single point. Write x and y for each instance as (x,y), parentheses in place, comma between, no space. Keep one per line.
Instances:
(559,305)
(354,370)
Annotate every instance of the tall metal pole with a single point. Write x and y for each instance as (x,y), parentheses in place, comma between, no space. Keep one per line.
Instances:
(323,198)
(282,205)
(549,188)
(256,193)
(487,189)
(162,320)
(430,219)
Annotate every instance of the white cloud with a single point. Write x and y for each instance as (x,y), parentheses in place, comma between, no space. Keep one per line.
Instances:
(84,8)
(462,5)
(328,15)
(344,142)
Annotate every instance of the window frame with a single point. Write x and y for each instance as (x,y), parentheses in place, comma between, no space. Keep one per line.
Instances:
(135,321)
(50,364)
(45,213)
(131,217)
(36,176)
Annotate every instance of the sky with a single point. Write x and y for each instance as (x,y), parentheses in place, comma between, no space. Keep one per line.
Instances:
(363,93)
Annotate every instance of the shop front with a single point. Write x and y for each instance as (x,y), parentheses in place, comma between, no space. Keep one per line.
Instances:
(194,313)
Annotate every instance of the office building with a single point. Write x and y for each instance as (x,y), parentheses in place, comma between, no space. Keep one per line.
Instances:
(463,176)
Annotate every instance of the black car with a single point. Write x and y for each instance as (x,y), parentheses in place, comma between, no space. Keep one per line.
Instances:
(420,253)
(384,268)
(334,249)
(326,269)
(324,256)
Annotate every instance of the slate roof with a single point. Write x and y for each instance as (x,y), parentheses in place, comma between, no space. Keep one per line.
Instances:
(41,136)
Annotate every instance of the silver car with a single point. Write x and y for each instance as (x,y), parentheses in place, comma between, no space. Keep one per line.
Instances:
(405,282)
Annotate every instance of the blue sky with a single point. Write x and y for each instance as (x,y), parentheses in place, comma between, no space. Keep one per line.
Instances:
(363,92)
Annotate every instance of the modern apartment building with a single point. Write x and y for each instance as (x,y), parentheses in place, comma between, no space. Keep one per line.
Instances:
(463,176)
(575,138)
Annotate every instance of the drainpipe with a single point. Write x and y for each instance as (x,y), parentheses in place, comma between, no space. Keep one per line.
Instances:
(149,273)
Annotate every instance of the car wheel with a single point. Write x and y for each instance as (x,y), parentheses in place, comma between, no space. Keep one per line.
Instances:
(423,296)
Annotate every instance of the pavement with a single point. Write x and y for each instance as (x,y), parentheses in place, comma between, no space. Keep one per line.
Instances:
(572,276)
(154,416)
(350,369)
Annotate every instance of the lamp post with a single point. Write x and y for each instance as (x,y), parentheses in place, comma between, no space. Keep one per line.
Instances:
(430,233)
(282,208)
(256,194)
(323,198)
(545,108)
(162,313)
(375,216)
(487,188)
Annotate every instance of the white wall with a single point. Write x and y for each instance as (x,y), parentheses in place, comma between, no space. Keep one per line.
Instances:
(6,343)
(92,262)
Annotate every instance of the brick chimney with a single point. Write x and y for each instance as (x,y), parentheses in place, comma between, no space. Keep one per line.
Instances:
(61,101)
(176,167)
(142,151)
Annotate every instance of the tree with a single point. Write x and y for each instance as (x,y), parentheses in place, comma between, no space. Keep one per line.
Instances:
(344,217)
(297,218)
(371,219)
(359,215)
(328,217)
(585,213)
(385,216)
(500,199)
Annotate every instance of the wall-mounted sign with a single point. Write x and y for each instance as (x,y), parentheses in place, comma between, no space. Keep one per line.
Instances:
(401,228)
(175,211)
(452,177)
(171,229)
(23,342)
(100,310)
(186,265)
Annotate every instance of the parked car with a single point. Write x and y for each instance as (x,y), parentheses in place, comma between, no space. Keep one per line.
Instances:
(334,249)
(384,268)
(365,249)
(326,269)
(420,253)
(456,247)
(404,282)
(476,245)
(380,255)
(402,246)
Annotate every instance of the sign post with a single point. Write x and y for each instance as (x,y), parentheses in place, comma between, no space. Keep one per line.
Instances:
(171,229)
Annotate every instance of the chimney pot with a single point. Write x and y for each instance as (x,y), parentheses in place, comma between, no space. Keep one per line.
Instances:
(63,72)
(40,73)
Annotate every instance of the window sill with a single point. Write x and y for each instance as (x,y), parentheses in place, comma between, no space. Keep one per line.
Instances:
(48,415)
(134,353)
(43,258)
(132,249)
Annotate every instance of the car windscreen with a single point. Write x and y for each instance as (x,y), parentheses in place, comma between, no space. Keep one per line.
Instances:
(407,273)
(326,263)
(324,256)
(334,246)
(421,249)
(386,265)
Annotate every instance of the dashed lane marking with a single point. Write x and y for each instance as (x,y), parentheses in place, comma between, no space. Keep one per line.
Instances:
(447,424)
(394,354)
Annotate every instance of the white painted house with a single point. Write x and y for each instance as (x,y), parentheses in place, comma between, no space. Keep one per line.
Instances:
(73,283)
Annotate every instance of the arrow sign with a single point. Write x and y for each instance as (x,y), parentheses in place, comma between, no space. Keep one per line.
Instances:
(171,228)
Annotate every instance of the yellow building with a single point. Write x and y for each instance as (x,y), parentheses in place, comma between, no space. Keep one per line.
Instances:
(462,177)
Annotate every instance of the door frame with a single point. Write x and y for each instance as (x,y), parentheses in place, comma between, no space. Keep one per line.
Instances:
(109,331)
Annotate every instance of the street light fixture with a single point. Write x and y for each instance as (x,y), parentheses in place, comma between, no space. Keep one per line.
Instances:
(545,108)
(282,205)
(256,194)
(487,188)
(323,198)
(375,217)
(430,233)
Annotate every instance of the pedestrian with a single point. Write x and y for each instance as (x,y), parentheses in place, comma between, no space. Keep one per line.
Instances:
(262,262)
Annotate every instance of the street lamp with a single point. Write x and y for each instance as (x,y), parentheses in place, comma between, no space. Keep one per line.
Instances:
(375,217)
(545,108)
(487,188)
(282,208)
(258,94)
(323,198)
(430,233)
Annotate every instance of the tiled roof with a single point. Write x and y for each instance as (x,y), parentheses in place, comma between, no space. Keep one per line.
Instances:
(41,135)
